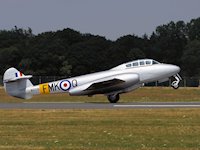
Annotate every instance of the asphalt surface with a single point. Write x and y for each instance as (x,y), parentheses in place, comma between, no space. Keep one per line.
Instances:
(63,105)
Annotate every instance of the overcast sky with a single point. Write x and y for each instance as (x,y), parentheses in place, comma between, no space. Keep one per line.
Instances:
(109,18)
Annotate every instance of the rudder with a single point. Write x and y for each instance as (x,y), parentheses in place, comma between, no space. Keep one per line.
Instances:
(16,83)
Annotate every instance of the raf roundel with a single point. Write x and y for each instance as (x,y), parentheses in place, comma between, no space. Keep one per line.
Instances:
(65,85)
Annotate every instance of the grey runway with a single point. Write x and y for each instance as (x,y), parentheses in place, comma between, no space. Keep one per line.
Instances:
(66,105)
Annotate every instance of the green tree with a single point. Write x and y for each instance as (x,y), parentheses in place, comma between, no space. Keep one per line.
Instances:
(25,66)
(73,53)
(194,29)
(9,57)
(135,53)
(190,59)
(66,68)
(170,41)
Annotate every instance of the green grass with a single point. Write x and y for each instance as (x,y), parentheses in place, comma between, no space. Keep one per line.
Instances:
(100,129)
(144,94)
(118,129)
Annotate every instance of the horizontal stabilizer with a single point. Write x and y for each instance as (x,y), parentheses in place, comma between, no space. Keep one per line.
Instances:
(17,78)
(13,74)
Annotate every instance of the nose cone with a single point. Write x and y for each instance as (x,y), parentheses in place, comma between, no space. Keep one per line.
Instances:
(173,69)
(176,68)
(168,70)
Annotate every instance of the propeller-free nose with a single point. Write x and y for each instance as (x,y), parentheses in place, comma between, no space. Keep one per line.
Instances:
(175,68)
(171,69)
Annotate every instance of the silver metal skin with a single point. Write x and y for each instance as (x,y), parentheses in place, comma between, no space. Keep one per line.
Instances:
(121,79)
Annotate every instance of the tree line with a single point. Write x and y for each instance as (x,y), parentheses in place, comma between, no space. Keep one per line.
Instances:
(70,53)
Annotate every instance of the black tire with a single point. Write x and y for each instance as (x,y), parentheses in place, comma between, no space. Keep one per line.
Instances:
(113,98)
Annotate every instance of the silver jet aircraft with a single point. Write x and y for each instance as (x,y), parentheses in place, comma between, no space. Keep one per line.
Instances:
(121,79)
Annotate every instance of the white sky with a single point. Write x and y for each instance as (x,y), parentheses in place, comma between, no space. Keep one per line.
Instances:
(109,18)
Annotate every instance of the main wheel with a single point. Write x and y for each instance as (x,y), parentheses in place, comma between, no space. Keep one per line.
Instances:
(113,98)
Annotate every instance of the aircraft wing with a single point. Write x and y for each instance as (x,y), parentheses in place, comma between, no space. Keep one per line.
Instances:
(103,84)
(106,85)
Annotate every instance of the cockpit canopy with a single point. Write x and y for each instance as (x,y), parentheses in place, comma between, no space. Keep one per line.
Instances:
(137,63)
(142,62)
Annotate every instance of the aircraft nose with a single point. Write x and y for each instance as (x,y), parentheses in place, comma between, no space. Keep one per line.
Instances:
(175,69)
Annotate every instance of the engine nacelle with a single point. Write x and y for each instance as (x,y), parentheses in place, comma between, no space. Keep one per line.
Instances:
(106,85)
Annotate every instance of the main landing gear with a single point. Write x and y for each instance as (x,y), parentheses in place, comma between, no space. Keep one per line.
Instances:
(114,98)
(175,84)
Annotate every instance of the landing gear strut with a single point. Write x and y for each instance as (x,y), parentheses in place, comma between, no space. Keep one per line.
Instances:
(113,98)
(175,84)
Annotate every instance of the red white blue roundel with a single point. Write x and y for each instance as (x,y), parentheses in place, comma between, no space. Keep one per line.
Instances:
(65,85)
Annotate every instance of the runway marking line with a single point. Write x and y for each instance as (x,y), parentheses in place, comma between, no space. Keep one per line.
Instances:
(53,102)
(157,106)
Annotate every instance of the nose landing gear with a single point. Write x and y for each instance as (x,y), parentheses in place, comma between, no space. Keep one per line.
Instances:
(175,84)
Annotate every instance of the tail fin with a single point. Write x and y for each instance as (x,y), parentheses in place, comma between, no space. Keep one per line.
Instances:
(16,83)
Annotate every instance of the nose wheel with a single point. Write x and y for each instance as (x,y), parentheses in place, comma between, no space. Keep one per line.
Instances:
(175,84)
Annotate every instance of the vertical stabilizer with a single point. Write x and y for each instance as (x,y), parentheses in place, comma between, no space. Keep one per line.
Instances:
(16,83)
